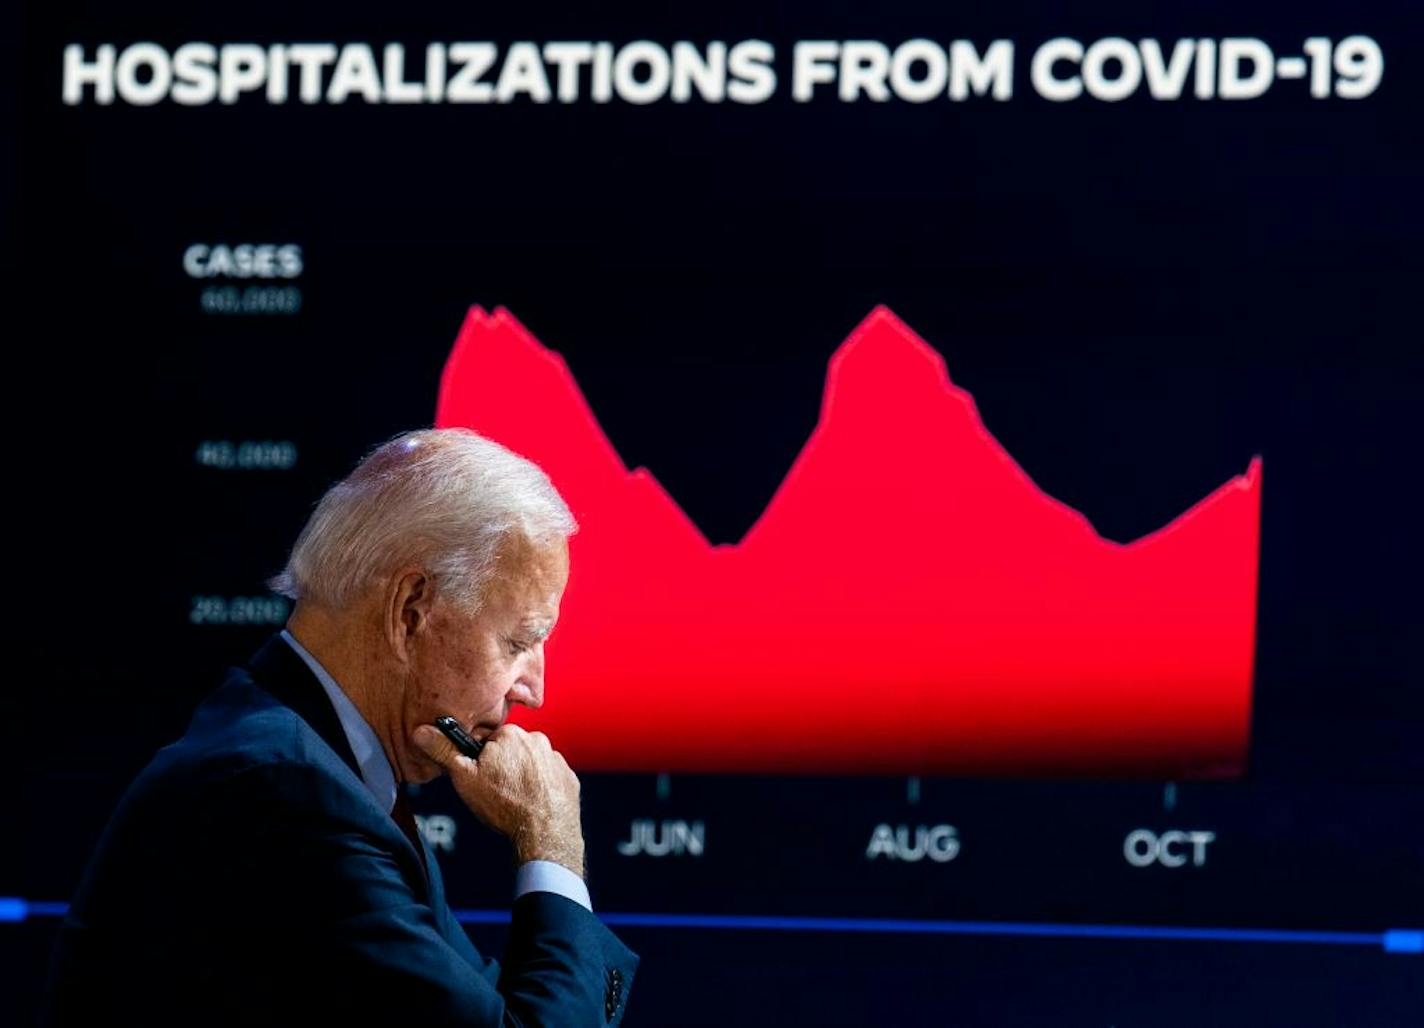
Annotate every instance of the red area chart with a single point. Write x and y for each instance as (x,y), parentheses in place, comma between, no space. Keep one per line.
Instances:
(909,602)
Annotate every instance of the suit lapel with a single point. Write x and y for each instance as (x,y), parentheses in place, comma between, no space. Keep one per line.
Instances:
(277,668)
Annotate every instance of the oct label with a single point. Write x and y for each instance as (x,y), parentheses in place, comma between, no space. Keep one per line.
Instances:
(1172,848)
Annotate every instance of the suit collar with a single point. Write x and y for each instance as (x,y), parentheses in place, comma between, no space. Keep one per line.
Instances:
(278,669)
(376,770)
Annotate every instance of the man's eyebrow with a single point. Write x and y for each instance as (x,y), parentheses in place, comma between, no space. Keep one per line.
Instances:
(537,628)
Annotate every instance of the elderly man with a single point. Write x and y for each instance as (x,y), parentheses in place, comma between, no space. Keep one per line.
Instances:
(266,868)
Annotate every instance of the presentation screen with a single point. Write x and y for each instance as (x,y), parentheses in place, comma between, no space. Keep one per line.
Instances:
(993,434)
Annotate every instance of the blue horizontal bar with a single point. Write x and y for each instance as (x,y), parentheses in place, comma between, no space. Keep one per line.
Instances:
(1400,940)
(1019,928)
(1396,940)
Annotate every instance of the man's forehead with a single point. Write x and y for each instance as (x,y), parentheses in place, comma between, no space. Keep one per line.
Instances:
(529,579)
(517,554)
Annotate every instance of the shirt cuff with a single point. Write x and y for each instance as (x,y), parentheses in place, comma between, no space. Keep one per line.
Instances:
(547,876)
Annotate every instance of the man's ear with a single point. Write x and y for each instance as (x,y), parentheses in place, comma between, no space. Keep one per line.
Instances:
(409,596)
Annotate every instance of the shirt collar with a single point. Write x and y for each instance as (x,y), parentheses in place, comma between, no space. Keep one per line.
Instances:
(376,771)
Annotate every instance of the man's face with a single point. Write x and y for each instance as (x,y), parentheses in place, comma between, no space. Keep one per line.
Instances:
(475,668)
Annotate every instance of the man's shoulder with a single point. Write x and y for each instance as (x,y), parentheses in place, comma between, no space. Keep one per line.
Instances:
(243,740)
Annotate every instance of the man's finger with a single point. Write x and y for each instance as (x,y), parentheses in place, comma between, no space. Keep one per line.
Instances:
(433,744)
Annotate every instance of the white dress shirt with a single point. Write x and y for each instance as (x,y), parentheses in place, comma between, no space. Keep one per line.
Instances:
(380,780)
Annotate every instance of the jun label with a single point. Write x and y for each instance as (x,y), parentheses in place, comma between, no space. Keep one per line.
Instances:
(665,838)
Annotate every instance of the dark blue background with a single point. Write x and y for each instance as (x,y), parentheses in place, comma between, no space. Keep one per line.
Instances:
(1140,296)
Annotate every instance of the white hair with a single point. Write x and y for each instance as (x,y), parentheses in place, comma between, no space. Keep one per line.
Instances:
(440,498)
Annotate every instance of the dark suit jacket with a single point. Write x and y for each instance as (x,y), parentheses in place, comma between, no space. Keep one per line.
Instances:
(249,876)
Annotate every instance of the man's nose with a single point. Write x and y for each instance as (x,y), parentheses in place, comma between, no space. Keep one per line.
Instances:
(529,687)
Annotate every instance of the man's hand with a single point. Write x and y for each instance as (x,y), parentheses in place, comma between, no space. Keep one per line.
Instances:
(521,787)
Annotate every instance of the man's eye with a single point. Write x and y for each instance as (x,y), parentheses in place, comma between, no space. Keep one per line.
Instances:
(517,646)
